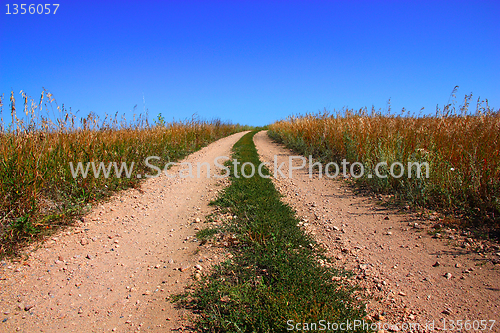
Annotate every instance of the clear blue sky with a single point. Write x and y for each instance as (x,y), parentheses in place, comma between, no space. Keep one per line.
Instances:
(252,62)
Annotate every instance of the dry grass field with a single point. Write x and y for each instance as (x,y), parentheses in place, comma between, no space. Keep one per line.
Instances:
(37,144)
(461,147)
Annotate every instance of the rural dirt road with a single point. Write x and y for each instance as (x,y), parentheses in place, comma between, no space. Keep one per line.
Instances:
(392,254)
(113,271)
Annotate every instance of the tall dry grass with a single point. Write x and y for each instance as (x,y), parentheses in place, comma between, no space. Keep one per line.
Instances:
(461,147)
(37,189)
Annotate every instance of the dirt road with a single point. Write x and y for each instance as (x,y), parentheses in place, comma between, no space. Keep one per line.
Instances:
(393,255)
(114,269)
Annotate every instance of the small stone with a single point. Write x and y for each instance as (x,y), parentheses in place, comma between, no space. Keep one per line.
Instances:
(197,220)
(402,293)
(184,268)
(198,267)
(84,241)
(448,276)
(436,264)
(389,233)
(446,312)
(386,218)
(457,265)
(363,266)
(28,307)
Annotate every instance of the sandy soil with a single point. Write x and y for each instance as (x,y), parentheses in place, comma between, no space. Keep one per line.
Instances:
(410,276)
(114,269)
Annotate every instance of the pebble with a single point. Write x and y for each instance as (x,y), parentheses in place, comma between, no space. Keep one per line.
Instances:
(436,264)
(448,276)
(84,241)
(184,268)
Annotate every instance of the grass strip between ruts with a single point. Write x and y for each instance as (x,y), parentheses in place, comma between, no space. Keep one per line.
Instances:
(274,281)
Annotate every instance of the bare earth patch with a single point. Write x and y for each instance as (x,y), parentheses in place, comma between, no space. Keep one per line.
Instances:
(115,269)
(411,276)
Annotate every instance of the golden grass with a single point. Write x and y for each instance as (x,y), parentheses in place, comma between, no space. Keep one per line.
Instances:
(37,190)
(462,149)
